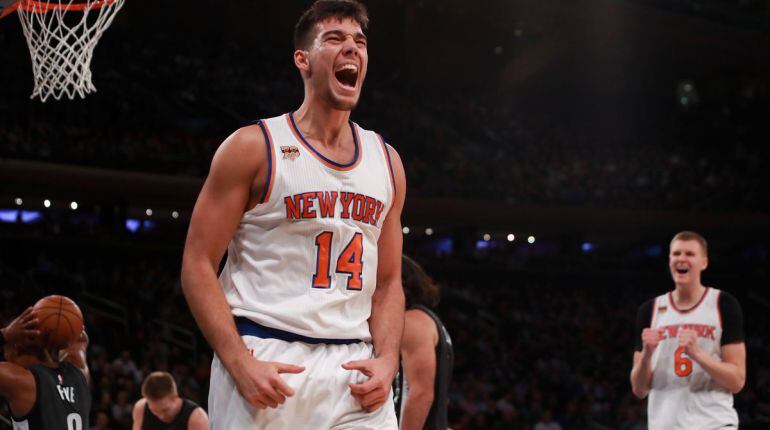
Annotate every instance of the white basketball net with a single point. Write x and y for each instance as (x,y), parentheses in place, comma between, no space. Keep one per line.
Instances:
(61,50)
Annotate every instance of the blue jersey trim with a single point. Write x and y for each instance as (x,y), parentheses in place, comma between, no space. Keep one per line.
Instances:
(269,145)
(334,163)
(247,327)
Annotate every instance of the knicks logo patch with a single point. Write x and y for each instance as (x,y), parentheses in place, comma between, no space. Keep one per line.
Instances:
(290,152)
(662,309)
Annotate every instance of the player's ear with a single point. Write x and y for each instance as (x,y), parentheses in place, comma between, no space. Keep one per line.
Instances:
(302,60)
(705,264)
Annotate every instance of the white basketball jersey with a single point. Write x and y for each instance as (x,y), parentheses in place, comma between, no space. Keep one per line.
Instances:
(305,259)
(683,395)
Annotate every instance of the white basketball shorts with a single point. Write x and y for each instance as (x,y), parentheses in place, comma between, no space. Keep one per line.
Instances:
(322,398)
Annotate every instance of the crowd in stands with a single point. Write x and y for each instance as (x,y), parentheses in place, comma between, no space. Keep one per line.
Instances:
(149,117)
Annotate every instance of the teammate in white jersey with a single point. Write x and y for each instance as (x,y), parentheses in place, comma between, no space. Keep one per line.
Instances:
(690,354)
(307,315)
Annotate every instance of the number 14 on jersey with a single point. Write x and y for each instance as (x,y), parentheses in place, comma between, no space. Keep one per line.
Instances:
(348,263)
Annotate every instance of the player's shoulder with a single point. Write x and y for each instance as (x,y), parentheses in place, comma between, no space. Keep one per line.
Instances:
(419,324)
(244,148)
(647,305)
(726,299)
(139,405)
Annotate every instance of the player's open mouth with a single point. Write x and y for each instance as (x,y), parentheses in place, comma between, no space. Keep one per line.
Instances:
(682,270)
(347,75)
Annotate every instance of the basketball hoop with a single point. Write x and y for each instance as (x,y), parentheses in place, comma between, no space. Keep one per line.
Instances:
(61,36)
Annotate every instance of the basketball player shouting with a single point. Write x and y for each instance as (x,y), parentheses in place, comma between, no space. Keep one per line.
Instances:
(307,314)
(690,356)
(43,393)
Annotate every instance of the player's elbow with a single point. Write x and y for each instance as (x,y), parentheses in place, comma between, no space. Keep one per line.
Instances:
(640,393)
(738,384)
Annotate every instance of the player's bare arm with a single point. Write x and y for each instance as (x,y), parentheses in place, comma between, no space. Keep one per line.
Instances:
(641,373)
(237,176)
(137,414)
(387,320)
(75,354)
(198,420)
(730,372)
(418,358)
(17,384)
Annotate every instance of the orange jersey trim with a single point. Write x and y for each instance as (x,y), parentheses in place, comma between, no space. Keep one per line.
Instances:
(320,157)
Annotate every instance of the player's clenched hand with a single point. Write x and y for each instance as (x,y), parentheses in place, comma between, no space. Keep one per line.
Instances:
(260,383)
(651,337)
(22,330)
(689,340)
(373,393)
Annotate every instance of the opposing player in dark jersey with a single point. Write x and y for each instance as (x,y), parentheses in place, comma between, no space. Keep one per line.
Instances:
(422,385)
(43,392)
(161,408)
(690,354)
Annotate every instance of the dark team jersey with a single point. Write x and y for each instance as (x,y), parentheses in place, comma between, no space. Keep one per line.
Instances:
(151,422)
(62,400)
(729,309)
(437,415)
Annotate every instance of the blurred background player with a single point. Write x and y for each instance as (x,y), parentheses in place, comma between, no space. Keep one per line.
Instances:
(690,354)
(310,204)
(161,408)
(43,392)
(422,385)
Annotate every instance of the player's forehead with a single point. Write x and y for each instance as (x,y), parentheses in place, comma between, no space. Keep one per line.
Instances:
(338,25)
(686,245)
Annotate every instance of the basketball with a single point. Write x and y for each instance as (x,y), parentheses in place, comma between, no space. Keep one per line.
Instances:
(59,320)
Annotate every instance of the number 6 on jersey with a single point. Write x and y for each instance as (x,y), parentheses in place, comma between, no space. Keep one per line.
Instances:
(348,263)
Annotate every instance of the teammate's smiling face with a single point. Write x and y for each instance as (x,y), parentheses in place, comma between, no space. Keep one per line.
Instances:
(335,65)
(686,261)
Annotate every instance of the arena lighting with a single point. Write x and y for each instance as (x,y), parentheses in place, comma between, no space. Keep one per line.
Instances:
(487,237)
(428,231)
(405,230)
(18,201)
(148,212)
(531,239)
(511,237)
(175,214)
(47,203)
(73,205)
(587,247)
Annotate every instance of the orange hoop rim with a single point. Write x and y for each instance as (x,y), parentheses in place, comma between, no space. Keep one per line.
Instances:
(45,6)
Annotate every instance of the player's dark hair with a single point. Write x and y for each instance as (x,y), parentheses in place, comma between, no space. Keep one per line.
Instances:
(304,31)
(691,235)
(158,385)
(419,288)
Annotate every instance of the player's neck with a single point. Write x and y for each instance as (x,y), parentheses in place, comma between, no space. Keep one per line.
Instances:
(687,295)
(321,123)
